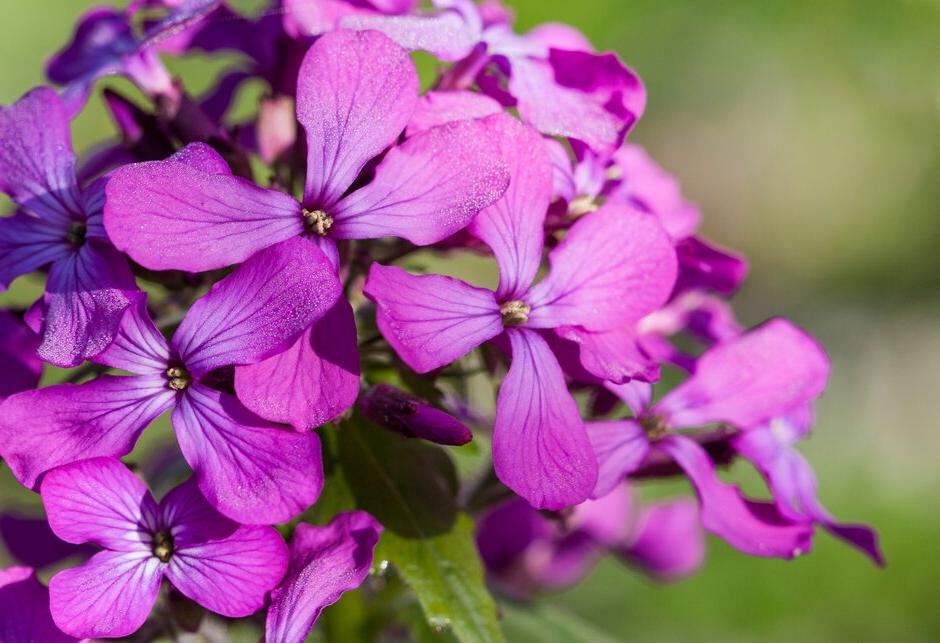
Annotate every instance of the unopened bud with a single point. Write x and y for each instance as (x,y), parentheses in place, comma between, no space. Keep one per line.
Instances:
(411,416)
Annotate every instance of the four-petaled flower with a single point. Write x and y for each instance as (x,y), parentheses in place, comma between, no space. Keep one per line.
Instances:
(615,266)
(250,469)
(223,566)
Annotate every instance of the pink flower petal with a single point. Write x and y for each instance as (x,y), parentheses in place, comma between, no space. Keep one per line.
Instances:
(259,309)
(325,562)
(614,355)
(86,296)
(667,541)
(615,266)
(620,447)
(229,574)
(109,596)
(203,158)
(761,375)
(306,18)
(99,501)
(540,447)
(312,382)
(557,110)
(603,79)
(512,227)
(438,107)
(250,470)
(794,487)
(138,346)
(431,320)
(173,214)
(355,94)
(653,189)
(754,528)
(450,35)
(49,427)
(427,188)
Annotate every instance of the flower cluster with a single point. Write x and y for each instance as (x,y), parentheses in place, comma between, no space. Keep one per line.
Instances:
(261,281)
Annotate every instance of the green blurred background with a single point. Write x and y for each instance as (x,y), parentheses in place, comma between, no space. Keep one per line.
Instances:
(809,132)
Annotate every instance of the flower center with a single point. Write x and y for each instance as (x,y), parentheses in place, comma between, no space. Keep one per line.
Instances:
(514,313)
(162,546)
(178,378)
(76,234)
(317,221)
(655,427)
(582,205)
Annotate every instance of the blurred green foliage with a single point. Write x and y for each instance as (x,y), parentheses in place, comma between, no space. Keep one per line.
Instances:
(810,134)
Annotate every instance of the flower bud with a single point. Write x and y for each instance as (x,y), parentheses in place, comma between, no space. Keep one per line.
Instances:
(411,416)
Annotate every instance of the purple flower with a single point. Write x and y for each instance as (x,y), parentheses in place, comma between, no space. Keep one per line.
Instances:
(560,86)
(225,567)
(105,43)
(526,551)
(24,609)
(615,266)
(325,562)
(169,214)
(251,470)
(20,369)
(59,225)
(629,175)
(411,416)
(745,382)
(771,448)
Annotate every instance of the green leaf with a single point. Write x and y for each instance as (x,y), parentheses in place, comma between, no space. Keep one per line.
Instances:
(540,623)
(446,574)
(410,486)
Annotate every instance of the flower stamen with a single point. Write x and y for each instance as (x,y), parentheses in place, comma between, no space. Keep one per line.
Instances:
(514,313)
(655,426)
(162,546)
(178,378)
(317,221)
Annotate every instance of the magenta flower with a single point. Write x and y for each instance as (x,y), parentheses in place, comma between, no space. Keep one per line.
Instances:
(615,266)
(325,562)
(24,609)
(249,469)
(526,551)
(59,225)
(168,214)
(552,74)
(225,567)
(792,481)
(743,383)
(412,417)
(20,368)
(629,175)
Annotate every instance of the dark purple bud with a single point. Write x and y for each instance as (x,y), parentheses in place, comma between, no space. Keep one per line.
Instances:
(411,416)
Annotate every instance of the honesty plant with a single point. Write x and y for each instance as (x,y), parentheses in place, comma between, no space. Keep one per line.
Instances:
(348,414)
